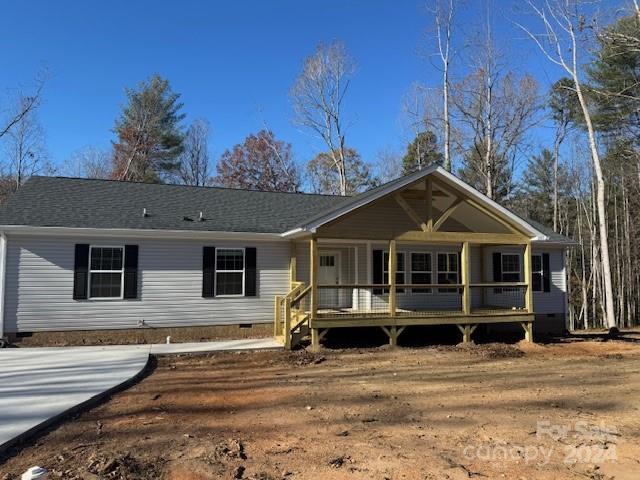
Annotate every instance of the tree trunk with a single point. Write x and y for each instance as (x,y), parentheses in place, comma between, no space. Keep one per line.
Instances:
(610,319)
(447,123)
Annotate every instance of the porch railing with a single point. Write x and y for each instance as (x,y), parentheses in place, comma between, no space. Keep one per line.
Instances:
(356,300)
(292,314)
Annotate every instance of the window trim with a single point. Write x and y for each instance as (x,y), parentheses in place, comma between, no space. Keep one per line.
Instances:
(90,271)
(425,290)
(385,270)
(217,271)
(541,272)
(448,290)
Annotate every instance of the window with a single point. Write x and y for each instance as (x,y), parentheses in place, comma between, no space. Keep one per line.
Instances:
(510,267)
(421,270)
(448,271)
(229,271)
(399,270)
(106,268)
(537,272)
(327,260)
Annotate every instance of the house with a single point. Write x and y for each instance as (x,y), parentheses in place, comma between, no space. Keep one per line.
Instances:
(425,249)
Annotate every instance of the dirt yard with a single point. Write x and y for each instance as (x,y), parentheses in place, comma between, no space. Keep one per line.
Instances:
(491,411)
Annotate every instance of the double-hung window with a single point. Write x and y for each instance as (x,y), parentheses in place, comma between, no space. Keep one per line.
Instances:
(106,272)
(448,271)
(230,271)
(537,272)
(400,278)
(510,267)
(510,271)
(421,270)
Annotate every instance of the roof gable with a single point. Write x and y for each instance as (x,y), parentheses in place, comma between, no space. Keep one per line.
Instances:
(390,188)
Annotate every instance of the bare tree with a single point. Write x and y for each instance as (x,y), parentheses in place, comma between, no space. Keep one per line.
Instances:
(318,95)
(195,159)
(88,162)
(561,25)
(321,174)
(387,165)
(25,146)
(443,13)
(495,109)
(26,105)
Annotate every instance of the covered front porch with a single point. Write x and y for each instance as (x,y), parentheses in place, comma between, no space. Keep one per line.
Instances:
(423,253)
(393,285)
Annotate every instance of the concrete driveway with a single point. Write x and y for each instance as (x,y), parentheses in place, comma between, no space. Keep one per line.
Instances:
(38,385)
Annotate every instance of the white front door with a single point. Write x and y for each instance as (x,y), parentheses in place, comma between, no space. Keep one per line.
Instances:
(328,274)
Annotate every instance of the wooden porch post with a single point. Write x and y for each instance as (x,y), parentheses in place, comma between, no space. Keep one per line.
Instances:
(313,281)
(429,200)
(483,277)
(293,264)
(392,277)
(528,299)
(466,291)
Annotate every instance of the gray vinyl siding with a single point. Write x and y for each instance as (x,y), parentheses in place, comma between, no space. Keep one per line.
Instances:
(39,286)
(543,302)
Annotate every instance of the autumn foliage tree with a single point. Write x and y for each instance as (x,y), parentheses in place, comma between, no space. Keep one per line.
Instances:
(261,162)
(149,134)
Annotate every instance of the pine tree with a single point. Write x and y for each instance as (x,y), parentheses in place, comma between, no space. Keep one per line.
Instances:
(149,133)
(537,187)
(477,173)
(614,76)
(423,151)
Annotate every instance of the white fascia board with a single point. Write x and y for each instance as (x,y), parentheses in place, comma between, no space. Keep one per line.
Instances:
(312,227)
(295,233)
(139,233)
(472,192)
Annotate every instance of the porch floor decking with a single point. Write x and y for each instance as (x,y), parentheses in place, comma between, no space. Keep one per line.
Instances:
(336,317)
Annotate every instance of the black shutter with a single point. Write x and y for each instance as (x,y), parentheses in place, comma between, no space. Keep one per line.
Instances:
(81,272)
(461,290)
(377,270)
(208,271)
(497,267)
(250,277)
(130,271)
(546,273)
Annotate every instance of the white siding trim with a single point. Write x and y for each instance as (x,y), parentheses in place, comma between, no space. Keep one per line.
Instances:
(3,277)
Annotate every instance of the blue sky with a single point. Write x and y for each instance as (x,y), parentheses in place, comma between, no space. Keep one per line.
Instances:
(233,62)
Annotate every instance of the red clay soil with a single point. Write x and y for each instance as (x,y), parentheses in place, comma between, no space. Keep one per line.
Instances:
(430,413)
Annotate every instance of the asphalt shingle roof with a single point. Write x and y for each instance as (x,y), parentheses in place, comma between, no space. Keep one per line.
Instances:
(85,203)
(82,203)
